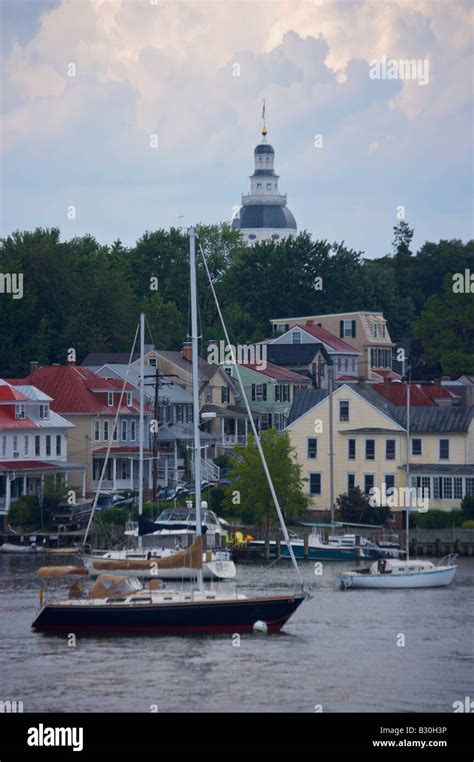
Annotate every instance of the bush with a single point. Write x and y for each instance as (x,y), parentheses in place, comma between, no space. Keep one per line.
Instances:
(114,515)
(223,461)
(355,508)
(469,524)
(25,511)
(437,519)
(467,506)
(149,511)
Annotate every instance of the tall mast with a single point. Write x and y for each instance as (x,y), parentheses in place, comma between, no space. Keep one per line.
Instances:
(195,370)
(141,427)
(407,556)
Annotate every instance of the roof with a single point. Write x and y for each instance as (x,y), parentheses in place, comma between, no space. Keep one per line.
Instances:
(441,468)
(72,389)
(327,314)
(8,393)
(98,359)
(264,216)
(294,354)
(278,373)
(171,392)
(420,394)
(264,148)
(386,373)
(231,411)
(36,465)
(304,400)
(8,421)
(328,338)
(125,450)
(33,393)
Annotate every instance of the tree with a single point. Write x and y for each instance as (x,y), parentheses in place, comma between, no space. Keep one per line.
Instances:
(467,506)
(249,494)
(355,508)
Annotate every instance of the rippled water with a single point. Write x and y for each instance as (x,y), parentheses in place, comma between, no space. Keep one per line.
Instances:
(339,651)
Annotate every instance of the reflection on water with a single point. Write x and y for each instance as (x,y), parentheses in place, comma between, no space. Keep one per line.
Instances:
(338,651)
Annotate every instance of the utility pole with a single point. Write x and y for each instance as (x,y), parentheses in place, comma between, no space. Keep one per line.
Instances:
(157,376)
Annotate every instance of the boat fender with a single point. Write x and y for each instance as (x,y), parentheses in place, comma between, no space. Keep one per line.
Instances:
(260,628)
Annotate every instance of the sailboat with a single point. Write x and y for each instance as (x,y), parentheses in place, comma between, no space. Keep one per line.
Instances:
(141,562)
(111,608)
(394,574)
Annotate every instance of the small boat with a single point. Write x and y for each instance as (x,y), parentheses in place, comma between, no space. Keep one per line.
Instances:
(393,574)
(336,548)
(9,547)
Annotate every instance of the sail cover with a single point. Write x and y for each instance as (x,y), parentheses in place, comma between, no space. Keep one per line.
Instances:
(191,558)
(61,571)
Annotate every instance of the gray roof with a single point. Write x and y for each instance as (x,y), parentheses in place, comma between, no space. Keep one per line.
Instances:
(169,392)
(170,432)
(422,419)
(264,148)
(264,216)
(295,354)
(441,468)
(97,359)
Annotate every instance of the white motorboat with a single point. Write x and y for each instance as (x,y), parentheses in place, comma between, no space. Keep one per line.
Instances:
(393,574)
(9,547)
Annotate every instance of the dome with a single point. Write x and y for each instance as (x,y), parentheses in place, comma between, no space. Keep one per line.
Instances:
(264,216)
(264,148)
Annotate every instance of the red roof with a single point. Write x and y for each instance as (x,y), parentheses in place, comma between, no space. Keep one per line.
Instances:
(420,395)
(27,465)
(277,372)
(71,389)
(346,377)
(120,450)
(326,337)
(8,421)
(386,373)
(10,394)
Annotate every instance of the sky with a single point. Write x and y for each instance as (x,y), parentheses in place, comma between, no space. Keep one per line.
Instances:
(121,116)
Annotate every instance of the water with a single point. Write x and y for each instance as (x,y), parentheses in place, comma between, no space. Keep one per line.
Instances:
(339,651)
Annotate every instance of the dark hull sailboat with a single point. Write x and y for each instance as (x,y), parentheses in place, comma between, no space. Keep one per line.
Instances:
(174,617)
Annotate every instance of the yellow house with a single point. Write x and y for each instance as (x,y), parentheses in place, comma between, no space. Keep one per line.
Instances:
(370,446)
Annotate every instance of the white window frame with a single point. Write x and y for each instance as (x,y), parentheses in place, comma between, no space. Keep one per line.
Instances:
(96,429)
(348,420)
(308,440)
(110,399)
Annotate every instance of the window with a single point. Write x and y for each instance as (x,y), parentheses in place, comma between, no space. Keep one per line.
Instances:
(259,392)
(275,236)
(351,449)
(469,485)
(375,329)
(457,484)
(106,431)
(37,445)
(124,429)
(129,399)
(4,446)
(347,329)
(315,484)
(48,444)
(110,399)
(370,449)
(19,411)
(225,395)
(282,393)
(269,186)
(353,365)
(444,449)
(346,364)
(368,483)
(133,430)
(179,414)
(259,185)
(44,412)
(416,448)
(115,434)
(389,480)
(296,337)
(280,421)
(384,327)
(447,488)
(390,448)
(228,371)
(58,444)
(96,430)
(26,442)
(343,410)
(209,394)
(252,236)
(312,448)
(381,358)
(152,362)
(350,482)
(15,443)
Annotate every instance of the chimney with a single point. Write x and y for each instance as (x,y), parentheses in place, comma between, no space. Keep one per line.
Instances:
(310,322)
(386,388)
(187,351)
(34,365)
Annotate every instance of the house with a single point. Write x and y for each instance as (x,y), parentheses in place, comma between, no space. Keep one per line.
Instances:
(345,357)
(270,391)
(370,445)
(366,332)
(33,445)
(175,416)
(92,404)
(219,396)
(309,360)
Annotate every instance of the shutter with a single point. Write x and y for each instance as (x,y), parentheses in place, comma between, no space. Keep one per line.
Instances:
(264,391)
(253,392)
(341,329)
(353,329)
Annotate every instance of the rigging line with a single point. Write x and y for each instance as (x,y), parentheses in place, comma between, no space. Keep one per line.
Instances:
(254,430)
(109,447)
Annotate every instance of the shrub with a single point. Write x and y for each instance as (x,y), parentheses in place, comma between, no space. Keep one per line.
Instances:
(25,511)
(469,524)
(437,519)
(114,515)
(467,506)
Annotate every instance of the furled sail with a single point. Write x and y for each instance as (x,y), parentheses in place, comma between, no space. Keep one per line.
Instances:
(190,558)
(61,571)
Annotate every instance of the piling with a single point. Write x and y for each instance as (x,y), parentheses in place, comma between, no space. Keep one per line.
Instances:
(306,546)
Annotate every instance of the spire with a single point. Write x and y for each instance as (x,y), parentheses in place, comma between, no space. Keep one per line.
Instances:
(264,129)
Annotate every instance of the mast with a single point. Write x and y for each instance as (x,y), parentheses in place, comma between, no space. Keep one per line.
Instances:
(407,555)
(331,439)
(195,371)
(141,427)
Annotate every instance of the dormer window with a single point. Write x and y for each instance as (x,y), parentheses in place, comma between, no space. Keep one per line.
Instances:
(129,399)
(44,412)
(20,412)
(296,337)
(110,399)
(375,329)
(152,362)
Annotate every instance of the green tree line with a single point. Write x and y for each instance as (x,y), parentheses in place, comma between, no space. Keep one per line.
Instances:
(82,294)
